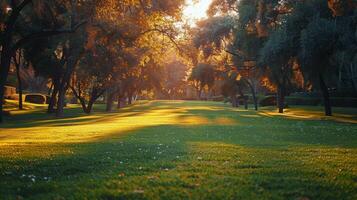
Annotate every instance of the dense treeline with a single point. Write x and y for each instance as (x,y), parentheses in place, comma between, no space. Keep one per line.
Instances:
(293,45)
(90,48)
(115,50)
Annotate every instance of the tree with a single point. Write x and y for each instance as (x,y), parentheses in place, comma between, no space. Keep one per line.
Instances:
(19,62)
(277,56)
(202,76)
(13,38)
(232,86)
(318,42)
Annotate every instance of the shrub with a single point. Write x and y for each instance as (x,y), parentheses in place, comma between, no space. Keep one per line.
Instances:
(307,101)
(268,101)
(315,101)
(218,98)
(344,102)
(9,91)
(35,98)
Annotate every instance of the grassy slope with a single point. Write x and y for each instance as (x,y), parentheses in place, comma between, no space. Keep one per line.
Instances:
(179,150)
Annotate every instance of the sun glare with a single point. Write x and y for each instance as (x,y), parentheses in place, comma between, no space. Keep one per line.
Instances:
(196,10)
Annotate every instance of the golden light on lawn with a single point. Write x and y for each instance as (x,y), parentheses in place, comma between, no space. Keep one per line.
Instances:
(101,126)
(196,10)
(297,113)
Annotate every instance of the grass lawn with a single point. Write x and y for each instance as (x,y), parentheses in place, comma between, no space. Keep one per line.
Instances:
(179,150)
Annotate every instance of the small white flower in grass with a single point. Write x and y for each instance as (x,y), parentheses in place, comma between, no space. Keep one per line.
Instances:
(138,191)
(199,158)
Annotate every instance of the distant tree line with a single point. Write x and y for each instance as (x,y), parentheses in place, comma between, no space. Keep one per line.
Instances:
(89,48)
(293,45)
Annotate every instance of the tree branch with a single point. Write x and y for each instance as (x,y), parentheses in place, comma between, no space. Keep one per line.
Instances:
(45,33)
(165,34)
(234,54)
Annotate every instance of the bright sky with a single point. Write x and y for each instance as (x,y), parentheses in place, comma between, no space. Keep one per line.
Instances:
(196,11)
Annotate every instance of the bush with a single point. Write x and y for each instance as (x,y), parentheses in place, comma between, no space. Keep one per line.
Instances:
(315,101)
(307,101)
(268,101)
(9,91)
(218,98)
(344,102)
(35,98)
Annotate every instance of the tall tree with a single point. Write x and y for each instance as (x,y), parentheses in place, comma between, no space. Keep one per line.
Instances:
(13,36)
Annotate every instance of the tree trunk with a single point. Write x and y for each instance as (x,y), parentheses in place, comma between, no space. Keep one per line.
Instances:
(4,72)
(199,94)
(281,98)
(7,50)
(73,54)
(244,100)
(90,106)
(61,100)
(19,81)
(52,103)
(326,96)
(118,105)
(245,103)
(255,101)
(110,100)
(64,84)
(130,100)
(235,103)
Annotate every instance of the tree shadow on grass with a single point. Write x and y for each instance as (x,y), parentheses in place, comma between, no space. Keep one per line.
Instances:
(132,164)
(75,116)
(249,127)
(87,167)
(172,161)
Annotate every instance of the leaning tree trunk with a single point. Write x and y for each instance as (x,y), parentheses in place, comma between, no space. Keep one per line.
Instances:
(326,96)
(281,98)
(64,84)
(94,96)
(90,106)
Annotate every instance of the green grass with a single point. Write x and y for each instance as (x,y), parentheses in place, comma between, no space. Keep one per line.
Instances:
(179,150)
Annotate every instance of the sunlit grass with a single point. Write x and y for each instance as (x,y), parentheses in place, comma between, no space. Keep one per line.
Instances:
(179,150)
(313,114)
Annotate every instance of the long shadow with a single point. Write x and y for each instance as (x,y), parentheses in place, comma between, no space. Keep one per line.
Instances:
(90,165)
(95,170)
(248,126)
(74,116)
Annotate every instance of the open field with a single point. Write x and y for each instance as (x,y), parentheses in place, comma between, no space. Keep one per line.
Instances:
(179,150)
